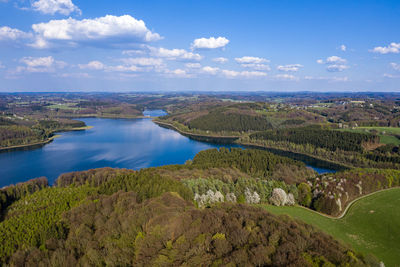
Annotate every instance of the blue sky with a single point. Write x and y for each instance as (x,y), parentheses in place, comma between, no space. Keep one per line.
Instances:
(76,45)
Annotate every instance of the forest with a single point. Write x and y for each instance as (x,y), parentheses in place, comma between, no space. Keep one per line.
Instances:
(33,131)
(219,121)
(138,218)
(135,221)
(319,137)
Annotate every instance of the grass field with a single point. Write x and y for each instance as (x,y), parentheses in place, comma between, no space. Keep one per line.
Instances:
(371,226)
(386,134)
(67,106)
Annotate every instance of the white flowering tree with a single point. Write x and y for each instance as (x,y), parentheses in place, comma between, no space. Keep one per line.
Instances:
(278,197)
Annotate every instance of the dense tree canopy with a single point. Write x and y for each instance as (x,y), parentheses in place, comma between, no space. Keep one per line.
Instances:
(325,138)
(168,231)
(218,121)
(252,161)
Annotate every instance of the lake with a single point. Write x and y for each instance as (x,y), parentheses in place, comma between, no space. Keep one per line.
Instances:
(122,143)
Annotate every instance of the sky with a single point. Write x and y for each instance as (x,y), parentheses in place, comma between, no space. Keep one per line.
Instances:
(188,45)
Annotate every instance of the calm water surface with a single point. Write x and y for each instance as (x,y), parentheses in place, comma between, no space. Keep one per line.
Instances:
(122,143)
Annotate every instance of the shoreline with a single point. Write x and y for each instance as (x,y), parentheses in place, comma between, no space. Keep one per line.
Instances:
(233,139)
(44,142)
(193,135)
(338,164)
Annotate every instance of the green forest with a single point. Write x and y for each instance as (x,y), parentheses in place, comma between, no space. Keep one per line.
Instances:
(319,137)
(162,216)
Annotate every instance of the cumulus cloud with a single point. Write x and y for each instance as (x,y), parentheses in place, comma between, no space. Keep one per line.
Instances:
(256,63)
(220,60)
(395,66)
(251,60)
(334,63)
(174,54)
(286,77)
(210,70)
(209,43)
(256,66)
(336,67)
(142,64)
(193,65)
(92,65)
(177,73)
(143,61)
(75,75)
(103,31)
(391,48)
(140,51)
(329,79)
(244,74)
(64,7)
(40,64)
(290,67)
(335,60)
(10,34)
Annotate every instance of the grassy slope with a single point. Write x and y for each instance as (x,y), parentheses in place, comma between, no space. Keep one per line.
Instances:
(386,138)
(372,225)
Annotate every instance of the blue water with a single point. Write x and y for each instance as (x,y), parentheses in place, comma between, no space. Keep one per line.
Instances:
(122,143)
(154,113)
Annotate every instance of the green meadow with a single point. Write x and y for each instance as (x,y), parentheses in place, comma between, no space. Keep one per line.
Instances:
(371,225)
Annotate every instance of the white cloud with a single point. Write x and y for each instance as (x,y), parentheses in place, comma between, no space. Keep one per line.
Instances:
(210,70)
(343,48)
(251,60)
(220,60)
(93,65)
(334,63)
(335,60)
(391,48)
(143,61)
(391,76)
(286,77)
(132,52)
(340,79)
(177,73)
(209,43)
(193,65)
(329,79)
(290,67)
(174,54)
(64,7)
(40,64)
(75,75)
(124,68)
(336,67)
(10,34)
(103,31)
(245,74)
(129,65)
(256,66)
(395,66)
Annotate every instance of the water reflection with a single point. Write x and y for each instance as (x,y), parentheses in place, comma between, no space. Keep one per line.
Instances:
(122,143)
